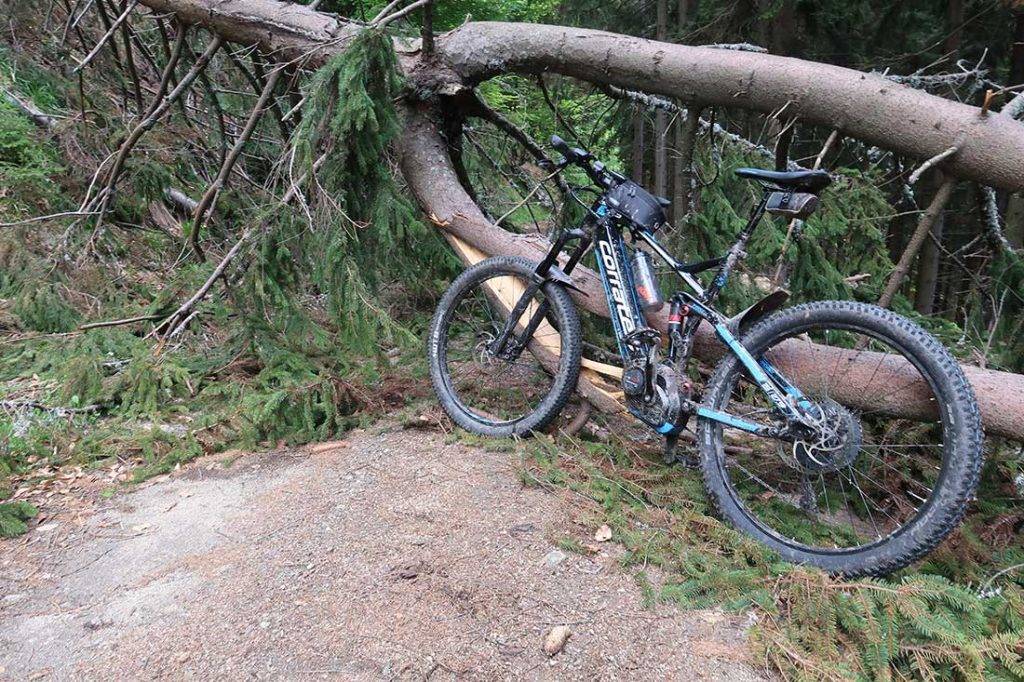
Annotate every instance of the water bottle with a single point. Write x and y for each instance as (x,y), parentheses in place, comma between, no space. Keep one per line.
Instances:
(646,283)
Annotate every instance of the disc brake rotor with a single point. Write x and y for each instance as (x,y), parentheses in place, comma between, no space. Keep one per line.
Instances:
(836,441)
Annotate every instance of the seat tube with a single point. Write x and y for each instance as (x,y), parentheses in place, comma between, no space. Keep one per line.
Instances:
(737,251)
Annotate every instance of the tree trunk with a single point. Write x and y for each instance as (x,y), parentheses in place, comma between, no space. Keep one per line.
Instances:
(1015,220)
(660,183)
(682,16)
(990,149)
(639,146)
(686,145)
(685,139)
(783,29)
(955,28)
(860,105)
(1017,51)
(924,225)
(928,269)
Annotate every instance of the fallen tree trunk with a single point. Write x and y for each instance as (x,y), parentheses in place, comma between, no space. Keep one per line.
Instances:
(990,149)
(857,104)
(866,106)
(432,179)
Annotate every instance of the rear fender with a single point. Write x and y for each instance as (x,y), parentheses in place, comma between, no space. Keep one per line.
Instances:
(767,305)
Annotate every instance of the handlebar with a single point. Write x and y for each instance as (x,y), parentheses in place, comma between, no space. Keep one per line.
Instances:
(585,160)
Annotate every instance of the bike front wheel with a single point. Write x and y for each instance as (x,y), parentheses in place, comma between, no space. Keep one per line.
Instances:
(891,463)
(504,393)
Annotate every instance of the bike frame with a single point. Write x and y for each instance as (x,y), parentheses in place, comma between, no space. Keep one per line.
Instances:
(604,233)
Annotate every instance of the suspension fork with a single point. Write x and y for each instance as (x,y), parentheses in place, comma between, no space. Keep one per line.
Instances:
(541,275)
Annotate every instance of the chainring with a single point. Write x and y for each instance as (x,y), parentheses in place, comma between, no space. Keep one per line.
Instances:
(666,405)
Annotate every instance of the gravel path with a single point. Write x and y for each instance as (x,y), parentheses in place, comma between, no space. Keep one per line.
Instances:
(384,556)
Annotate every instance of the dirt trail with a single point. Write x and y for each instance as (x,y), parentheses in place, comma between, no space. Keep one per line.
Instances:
(392,555)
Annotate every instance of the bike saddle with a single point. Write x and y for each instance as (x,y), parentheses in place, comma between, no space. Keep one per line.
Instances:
(807,180)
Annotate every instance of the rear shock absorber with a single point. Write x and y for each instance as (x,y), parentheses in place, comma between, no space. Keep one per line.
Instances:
(677,312)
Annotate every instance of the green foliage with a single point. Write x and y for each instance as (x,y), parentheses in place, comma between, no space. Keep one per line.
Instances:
(42,309)
(350,111)
(26,166)
(149,384)
(917,624)
(299,413)
(13,516)
(843,239)
(162,452)
(364,234)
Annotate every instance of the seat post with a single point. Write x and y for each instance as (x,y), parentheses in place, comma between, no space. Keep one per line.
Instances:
(738,250)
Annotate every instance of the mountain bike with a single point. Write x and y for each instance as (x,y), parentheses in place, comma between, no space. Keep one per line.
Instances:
(837,433)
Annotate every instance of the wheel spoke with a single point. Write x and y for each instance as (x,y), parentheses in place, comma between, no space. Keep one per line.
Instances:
(850,479)
(495,389)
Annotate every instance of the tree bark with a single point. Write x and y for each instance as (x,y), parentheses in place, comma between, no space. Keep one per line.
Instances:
(683,175)
(1017,50)
(955,28)
(991,149)
(682,16)
(924,225)
(858,104)
(660,183)
(639,146)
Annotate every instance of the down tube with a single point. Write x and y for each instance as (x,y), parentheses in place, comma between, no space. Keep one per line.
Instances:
(617,278)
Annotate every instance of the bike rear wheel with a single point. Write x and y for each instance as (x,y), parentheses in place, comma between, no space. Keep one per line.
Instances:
(872,490)
(493,395)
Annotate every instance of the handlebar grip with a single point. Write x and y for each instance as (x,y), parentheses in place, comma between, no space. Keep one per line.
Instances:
(559,144)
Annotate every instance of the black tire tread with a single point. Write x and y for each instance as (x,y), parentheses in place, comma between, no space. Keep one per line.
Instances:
(568,324)
(965,460)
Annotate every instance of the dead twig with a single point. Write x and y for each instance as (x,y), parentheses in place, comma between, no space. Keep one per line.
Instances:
(183,313)
(935,160)
(105,197)
(213,191)
(107,36)
(117,323)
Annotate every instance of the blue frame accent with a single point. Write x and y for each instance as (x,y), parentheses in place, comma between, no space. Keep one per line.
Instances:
(764,374)
(756,371)
(776,376)
(730,420)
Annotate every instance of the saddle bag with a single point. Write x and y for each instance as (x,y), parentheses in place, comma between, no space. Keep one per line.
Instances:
(792,204)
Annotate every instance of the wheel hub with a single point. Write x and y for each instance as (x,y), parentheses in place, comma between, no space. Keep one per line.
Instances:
(834,442)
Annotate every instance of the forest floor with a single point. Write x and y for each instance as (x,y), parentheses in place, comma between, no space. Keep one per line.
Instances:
(395,553)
